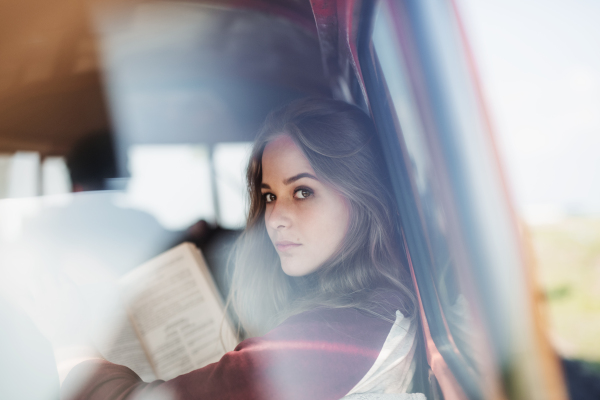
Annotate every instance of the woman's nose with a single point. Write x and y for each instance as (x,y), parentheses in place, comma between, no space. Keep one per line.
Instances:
(280,215)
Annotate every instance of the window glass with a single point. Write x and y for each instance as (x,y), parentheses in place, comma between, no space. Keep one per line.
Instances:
(4,166)
(55,176)
(542,85)
(456,319)
(171,182)
(229,162)
(23,175)
(403,101)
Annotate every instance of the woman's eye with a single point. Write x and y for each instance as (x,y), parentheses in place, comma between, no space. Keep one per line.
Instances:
(269,197)
(302,193)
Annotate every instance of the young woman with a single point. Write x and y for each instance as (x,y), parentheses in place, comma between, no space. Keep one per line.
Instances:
(318,285)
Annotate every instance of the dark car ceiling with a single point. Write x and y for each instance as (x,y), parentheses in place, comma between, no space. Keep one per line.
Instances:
(252,56)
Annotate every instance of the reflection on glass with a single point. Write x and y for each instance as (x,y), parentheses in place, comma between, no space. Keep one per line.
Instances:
(403,98)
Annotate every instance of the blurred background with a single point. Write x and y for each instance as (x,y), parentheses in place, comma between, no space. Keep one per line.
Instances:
(126,125)
(541,76)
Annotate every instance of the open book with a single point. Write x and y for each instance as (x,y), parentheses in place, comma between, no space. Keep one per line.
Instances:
(173,320)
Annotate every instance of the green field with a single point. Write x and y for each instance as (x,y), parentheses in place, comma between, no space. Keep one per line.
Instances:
(568,257)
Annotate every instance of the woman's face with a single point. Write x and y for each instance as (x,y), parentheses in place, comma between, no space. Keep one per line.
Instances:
(305,218)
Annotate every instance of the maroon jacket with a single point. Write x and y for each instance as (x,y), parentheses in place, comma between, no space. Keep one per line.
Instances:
(320,354)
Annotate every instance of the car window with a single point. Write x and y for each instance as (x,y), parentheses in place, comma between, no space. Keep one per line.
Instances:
(423,217)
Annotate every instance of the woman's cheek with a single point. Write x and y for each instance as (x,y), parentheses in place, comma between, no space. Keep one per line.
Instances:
(268,211)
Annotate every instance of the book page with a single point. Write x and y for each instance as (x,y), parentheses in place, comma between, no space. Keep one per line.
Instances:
(177,312)
(112,333)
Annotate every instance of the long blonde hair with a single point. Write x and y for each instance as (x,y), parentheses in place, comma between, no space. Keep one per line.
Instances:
(338,140)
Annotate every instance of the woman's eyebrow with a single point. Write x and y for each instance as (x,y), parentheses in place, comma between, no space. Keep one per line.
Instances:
(292,179)
(299,176)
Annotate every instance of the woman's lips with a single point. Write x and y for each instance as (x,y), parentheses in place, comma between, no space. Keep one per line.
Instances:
(285,245)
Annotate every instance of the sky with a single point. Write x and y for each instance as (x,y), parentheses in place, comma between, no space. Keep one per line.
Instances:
(539,62)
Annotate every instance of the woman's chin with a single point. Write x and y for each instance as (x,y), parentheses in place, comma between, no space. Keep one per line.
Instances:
(296,267)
